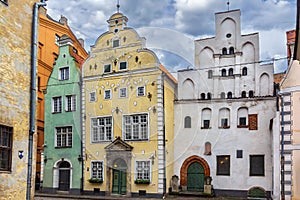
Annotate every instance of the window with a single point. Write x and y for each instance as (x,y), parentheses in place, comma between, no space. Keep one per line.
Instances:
(107,94)
(70,103)
(244,94)
(210,74)
(223,72)
(123,92)
(223,165)
(243,121)
(224,116)
(92,96)
(97,170)
(123,65)
(39,83)
(244,71)
(56,38)
(56,104)
(101,129)
(64,136)
(116,43)
(231,50)
(222,95)
(257,165)
(187,122)
(206,116)
(202,96)
(251,94)
(64,73)
(230,72)
(141,91)
(239,153)
(6,137)
(143,170)
(229,95)
(136,127)
(207,150)
(224,51)
(107,68)
(206,123)
(208,96)
(224,122)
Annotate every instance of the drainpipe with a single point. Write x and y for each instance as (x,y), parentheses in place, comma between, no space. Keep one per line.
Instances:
(32,93)
(282,148)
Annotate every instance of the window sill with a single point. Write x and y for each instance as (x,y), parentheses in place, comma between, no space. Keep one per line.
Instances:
(95,180)
(136,140)
(242,126)
(102,141)
(56,112)
(70,110)
(142,181)
(205,127)
(65,147)
(224,127)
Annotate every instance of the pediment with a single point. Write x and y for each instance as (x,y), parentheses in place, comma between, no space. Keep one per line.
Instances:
(118,145)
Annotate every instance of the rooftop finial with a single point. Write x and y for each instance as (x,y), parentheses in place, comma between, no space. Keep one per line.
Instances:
(118,6)
(228,3)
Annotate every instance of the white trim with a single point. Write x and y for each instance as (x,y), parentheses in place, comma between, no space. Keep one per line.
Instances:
(56,173)
(137,91)
(55,138)
(94,91)
(91,170)
(61,106)
(91,128)
(120,65)
(290,89)
(104,72)
(150,166)
(110,94)
(148,128)
(72,102)
(126,93)
(59,73)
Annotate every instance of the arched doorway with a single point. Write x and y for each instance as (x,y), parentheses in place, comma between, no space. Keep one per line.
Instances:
(192,173)
(195,177)
(119,177)
(64,176)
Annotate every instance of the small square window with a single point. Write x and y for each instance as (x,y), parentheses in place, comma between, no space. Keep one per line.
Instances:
(123,92)
(239,153)
(141,91)
(92,96)
(107,68)
(206,123)
(107,94)
(64,73)
(242,121)
(116,43)
(123,65)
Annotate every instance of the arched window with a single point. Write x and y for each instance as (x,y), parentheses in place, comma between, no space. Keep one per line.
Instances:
(222,95)
(224,118)
(229,95)
(210,74)
(244,71)
(207,150)
(208,96)
(244,94)
(230,72)
(223,72)
(231,50)
(202,96)
(224,51)
(251,94)
(242,117)
(206,116)
(187,122)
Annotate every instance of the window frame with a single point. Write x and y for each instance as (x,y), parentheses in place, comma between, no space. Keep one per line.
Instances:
(114,45)
(105,127)
(121,96)
(6,147)
(136,176)
(62,75)
(222,172)
(187,122)
(92,170)
(104,67)
(73,103)
(105,94)
(210,74)
(244,71)
(90,96)
(60,105)
(138,91)
(140,127)
(122,63)
(251,173)
(67,137)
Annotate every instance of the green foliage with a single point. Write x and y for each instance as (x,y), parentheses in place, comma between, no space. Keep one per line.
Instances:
(142,181)
(95,180)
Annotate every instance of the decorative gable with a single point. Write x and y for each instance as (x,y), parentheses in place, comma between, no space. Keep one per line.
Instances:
(118,145)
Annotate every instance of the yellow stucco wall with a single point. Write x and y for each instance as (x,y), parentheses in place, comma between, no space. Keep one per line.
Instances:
(15,52)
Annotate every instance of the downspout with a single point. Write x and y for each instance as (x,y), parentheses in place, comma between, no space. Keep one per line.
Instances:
(32,93)
(282,148)
(81,135)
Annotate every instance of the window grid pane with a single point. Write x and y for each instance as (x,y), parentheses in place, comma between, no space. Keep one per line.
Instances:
(64,137)
(5,147)
(97,170)
(136,127)
(143,170)
(101,129)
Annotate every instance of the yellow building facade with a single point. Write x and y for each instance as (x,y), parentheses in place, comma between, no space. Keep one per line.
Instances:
(127,115)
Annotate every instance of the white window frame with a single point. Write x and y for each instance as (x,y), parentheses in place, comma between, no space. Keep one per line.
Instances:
(105,94)
(70,106)
(120,65)
(136,171)
(90,96)
(67,137)
(109,67)
(63,77)
(91,168)
(138,92)
(98,128)
(131,124)
(120,93)
(113,43)
(59,105)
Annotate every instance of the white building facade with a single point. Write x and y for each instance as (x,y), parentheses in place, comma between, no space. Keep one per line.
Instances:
(224,115)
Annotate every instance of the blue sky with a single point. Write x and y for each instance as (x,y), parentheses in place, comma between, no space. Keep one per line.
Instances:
(163,21)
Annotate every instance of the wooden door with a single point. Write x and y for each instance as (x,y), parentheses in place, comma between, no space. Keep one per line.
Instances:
(195,177)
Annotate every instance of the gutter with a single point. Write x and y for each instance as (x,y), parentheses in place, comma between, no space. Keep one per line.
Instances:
(32,124)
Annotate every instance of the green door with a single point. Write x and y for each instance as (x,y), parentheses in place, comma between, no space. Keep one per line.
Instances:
(119,182)
(195,177)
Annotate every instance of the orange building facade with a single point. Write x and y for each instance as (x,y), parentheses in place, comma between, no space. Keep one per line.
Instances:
(49,33)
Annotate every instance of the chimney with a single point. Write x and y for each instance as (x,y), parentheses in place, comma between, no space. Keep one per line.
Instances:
(81,41)
(63,20)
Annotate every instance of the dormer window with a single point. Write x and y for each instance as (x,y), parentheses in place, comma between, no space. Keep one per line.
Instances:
(224,51)
(223,72)
(116,43)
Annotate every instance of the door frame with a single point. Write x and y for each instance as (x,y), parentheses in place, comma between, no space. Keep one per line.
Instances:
(120,166)
(56,173)
(201,189)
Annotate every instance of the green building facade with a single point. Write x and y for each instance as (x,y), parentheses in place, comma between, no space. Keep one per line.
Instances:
(62,163)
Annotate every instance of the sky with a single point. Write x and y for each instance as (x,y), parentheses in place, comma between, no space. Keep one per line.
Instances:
(162,22)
